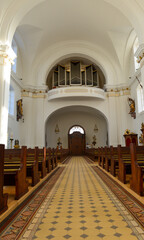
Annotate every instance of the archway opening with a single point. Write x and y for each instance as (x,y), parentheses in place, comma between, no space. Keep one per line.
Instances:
(75,71)
(82,116)
(76,140)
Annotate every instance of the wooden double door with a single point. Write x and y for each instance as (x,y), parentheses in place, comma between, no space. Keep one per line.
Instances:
(76,143)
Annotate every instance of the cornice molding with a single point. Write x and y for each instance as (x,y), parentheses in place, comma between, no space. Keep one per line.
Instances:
(29,90)
(34,92)
(116,88)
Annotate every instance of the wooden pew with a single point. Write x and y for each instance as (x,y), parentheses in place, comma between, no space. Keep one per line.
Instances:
(55,151)
(114,160)
(92,153)
(15,170)
(99,156)
(51,159)
(102,157)
(48,160)
(137,168)
(3,197)
(32,165)
(96,154)
(42,161)
(62,154)
(107,157)
(124,159)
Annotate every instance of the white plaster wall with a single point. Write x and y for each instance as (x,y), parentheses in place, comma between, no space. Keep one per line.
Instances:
(115,110)
(136,123)
(124,120)
(28,130)
(14,127)
(31,132)
(38,110)
(68,119)
(19,68)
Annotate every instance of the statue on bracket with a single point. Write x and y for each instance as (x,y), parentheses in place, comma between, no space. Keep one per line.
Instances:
(131,103)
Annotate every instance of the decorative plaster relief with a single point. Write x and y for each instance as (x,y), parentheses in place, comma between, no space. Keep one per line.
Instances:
(33,93)
(7,55)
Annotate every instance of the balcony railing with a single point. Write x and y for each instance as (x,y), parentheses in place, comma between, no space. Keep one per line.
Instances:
(76,91)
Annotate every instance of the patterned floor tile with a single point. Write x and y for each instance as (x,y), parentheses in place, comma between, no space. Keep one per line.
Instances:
(81,206)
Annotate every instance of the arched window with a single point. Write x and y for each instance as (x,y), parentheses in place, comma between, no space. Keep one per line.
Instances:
(11,101)
(135,47)
(140,99)
(14,47)
(76,129)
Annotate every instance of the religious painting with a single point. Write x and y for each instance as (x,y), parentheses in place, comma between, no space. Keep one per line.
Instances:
(19,106)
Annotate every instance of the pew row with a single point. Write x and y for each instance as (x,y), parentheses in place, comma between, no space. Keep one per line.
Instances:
(3,197)
(123,161)
(137,168)
(92,153)
(15,171)
(18,165)
(62,154)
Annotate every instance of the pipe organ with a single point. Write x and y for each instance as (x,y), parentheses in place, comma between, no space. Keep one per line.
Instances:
(75,74)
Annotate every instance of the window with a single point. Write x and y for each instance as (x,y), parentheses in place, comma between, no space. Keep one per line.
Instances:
(11,101)
(14,47)
(76,129)
(140,99)
(135,47)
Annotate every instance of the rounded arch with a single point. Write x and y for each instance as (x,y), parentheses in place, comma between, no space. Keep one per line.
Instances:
(66,117)
(53,111)
(15,11)
(75,128)
(63,50)
(81,55)
(76,140)
(83,63)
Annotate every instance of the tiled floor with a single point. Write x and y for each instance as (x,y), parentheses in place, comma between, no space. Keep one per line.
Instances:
(81,206)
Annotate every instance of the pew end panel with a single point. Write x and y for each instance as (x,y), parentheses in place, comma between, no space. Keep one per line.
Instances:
(20,178)
(136,181)
(124,161)
(3,197)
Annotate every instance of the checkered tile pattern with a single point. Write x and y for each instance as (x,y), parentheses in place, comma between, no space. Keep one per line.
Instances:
(82,207)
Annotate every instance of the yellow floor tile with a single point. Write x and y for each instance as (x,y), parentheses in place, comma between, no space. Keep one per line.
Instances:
(88,196)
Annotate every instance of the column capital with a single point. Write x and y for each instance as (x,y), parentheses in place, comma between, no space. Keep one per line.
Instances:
(7,55)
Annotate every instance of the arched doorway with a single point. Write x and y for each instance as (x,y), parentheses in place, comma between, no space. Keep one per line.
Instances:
(76,140)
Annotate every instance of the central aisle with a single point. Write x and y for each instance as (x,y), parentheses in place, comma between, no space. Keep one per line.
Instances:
(81,206)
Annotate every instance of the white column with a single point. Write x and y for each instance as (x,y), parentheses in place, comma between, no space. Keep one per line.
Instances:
(7,56)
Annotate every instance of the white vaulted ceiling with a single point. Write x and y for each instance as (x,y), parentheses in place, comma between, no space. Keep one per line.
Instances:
(94,22)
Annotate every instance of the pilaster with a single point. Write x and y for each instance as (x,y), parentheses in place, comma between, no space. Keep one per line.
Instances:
(7,56)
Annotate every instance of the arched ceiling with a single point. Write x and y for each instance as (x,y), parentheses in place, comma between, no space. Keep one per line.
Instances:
(76,109)
(96,22)
(106,24)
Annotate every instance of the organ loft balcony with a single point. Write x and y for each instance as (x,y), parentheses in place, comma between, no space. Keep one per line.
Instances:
(76,91)
(76,78)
